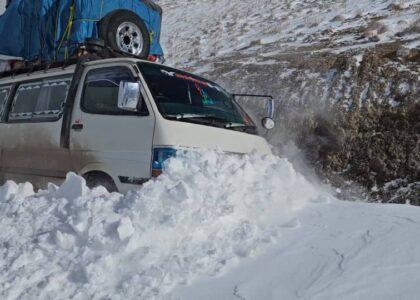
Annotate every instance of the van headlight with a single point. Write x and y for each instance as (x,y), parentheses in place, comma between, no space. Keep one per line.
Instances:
(160,155)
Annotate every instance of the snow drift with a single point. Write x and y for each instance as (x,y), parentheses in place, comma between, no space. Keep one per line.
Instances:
(332,250)
(214,226)
(205,214)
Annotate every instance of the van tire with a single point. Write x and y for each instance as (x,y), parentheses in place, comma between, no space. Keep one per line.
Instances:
(129,41)
(95,179)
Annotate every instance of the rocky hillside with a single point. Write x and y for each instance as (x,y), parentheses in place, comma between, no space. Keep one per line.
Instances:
(346,76)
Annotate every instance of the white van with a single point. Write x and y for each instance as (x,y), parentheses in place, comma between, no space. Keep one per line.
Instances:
(113,121)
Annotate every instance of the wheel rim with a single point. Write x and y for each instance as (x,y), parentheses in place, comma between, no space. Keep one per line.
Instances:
(130,38)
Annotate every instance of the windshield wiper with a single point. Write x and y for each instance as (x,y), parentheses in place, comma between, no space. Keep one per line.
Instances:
(241,127)
(213,120)
(199,116)
(238,125)
(200,119)
(188,116)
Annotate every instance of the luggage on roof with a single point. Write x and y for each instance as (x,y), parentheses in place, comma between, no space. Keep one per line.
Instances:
(52,30)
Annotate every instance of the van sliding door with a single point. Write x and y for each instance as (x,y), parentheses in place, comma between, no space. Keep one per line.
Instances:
(31,136)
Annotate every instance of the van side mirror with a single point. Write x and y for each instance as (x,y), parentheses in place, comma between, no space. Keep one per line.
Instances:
(129,95)
(267,122)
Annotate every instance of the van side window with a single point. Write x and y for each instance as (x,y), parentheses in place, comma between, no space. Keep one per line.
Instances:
(39,101)
(4,94)
(101,90)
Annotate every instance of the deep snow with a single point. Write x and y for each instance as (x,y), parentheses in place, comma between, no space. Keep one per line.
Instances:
(204,215)
(212,227)
(331,250)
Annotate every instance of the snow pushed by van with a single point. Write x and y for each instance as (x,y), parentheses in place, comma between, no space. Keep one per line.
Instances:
(214,226)
(208,211)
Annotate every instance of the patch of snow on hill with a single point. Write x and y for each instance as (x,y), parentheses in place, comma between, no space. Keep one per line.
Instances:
(195,30)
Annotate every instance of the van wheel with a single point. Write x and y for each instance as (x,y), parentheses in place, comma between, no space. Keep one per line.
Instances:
(95,179)
(124,31)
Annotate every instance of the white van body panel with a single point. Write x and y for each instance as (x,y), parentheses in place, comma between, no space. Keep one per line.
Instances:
(186,135)
(38,75)
(34,149)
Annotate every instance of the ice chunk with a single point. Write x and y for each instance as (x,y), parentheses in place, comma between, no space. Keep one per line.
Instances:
(73,187)
(125,229)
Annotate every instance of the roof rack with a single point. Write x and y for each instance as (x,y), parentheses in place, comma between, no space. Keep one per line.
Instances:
(30,67)
(92,49)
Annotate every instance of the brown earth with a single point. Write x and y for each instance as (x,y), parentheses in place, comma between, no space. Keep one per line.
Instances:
(354,116)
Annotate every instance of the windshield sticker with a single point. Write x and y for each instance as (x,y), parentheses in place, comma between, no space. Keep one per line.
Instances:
(172,74)
(186,77)
(205,98)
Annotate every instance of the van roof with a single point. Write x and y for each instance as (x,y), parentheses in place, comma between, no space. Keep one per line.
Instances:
(7,78)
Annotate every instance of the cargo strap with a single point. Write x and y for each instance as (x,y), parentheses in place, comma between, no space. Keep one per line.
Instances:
(67,33)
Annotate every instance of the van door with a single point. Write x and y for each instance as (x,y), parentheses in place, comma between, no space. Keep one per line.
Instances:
(31,137)
(105,138)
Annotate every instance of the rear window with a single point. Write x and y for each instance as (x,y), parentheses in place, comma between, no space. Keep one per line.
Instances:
(4,94)
(39,101)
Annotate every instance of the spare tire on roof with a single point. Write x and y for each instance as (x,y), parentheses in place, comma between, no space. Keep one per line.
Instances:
(126,32)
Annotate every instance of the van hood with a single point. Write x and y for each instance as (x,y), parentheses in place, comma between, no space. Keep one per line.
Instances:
(181,134)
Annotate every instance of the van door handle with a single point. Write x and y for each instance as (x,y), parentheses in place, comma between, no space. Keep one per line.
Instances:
(77,127)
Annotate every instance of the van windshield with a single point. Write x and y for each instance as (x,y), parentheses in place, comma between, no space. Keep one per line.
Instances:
(184,97)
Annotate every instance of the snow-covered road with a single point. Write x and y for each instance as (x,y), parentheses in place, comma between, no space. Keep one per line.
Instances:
(335,250)
(212,227)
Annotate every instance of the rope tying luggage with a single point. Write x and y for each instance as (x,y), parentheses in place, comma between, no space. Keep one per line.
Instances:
(67,33)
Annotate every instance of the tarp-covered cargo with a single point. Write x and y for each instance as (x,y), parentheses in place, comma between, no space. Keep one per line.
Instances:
(51,30)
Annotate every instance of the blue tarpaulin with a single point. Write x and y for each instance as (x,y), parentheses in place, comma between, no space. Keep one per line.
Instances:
(51,30)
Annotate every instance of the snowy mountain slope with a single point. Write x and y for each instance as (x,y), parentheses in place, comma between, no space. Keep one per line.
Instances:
(199,30)
(213,227)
